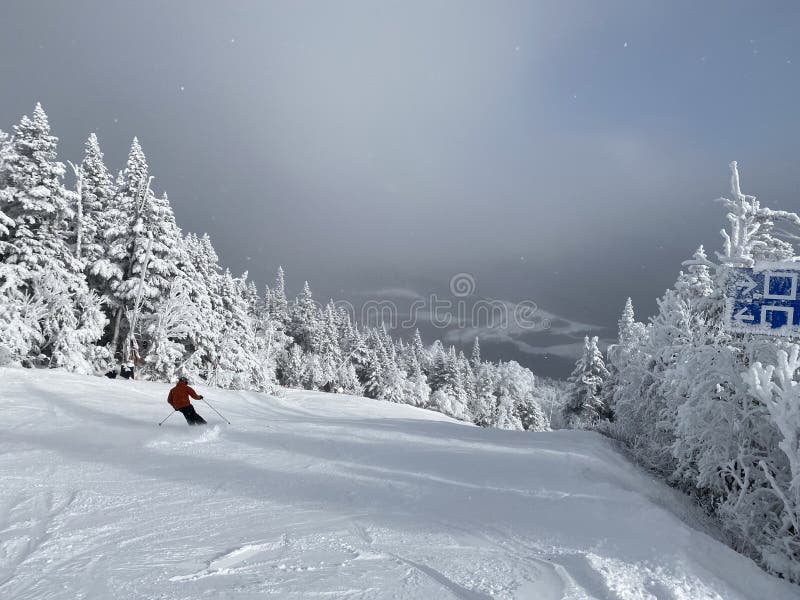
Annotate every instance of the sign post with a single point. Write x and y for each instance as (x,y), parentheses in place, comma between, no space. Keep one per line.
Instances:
(764,299)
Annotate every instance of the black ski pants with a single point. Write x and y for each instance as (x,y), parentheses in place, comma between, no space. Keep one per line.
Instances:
(192,418)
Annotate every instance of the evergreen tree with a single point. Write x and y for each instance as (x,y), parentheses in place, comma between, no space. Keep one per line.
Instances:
(114,274)
(294,368)
(237,360)
(279,307)
(199,265)
(476,354)
(418,391)
(587,381)
(304,320)
(33,201)
(483,408)
(422,355)
(41,268)
(97,197)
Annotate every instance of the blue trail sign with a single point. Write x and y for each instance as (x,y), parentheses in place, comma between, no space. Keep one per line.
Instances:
(764,299)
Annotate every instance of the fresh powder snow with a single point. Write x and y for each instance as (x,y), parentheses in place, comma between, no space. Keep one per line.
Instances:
(312,495)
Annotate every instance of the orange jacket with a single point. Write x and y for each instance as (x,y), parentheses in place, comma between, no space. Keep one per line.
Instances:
(179,396)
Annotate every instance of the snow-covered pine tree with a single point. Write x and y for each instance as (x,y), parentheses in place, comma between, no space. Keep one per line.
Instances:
(423,356)
(278,306)
(483,410)
(587,380)
(418,391)
(112,275)
(505,414)
(237,355)
(143,249)
(294,367)
(97,196)
(304,320)
(476,354)
(329,350)
(36,223)
(199,265)
(372,366)
(34,201)
(449,393)
(630,336)
(6,152)
(394,384)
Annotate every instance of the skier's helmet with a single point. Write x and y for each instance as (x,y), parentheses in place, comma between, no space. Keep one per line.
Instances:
(183,379)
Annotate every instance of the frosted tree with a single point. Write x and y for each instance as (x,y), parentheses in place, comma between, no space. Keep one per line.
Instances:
(751,234)
(143,248)
(72,324)
(417,389)
(96,198)
(36,223)
(278,306)
(394,382)
(449,392)
(422,355)
(348,380)
(294,368)
(587,381)
(506,416)
(174,320)
(328,348)
(113,274)
(697,404)
(199,266)
(372,366)
(550,394)
(515,387)
(476,354)
(237,356)
(6,153)
(483,409)
(630,336)
(34,201)
(20,316)
(777,387)
(304,320)
(271,344)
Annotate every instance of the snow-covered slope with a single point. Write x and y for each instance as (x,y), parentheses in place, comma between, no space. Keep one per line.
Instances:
(317,495)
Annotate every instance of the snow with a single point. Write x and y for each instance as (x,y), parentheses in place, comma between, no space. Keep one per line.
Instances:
(317,495)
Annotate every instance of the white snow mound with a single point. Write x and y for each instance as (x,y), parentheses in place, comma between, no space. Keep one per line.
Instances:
(319,495)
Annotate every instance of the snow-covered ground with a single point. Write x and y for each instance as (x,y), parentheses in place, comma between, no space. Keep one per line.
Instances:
(317,495)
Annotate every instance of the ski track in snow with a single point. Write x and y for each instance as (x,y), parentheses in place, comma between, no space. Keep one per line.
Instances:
(322,496)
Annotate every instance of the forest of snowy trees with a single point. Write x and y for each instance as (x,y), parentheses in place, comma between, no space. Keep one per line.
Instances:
(100,274)
(716,413)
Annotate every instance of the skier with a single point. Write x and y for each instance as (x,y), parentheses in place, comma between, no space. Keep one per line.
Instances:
(179,400)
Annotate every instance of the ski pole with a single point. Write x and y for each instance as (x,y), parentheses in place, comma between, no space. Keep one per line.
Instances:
(216,411)
(168,416)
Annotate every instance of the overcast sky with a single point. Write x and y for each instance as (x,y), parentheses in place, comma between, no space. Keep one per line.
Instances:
(562,152)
